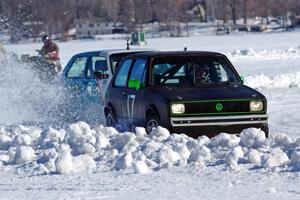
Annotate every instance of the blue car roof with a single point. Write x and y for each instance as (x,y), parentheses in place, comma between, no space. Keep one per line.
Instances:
(111,51)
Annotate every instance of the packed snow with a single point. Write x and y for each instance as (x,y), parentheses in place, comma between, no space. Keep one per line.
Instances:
(79,147)
(44,153)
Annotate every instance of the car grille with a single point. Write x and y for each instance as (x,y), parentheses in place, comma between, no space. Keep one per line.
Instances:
(218,107)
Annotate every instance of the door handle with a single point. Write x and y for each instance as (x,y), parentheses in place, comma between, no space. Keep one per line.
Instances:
(124,93)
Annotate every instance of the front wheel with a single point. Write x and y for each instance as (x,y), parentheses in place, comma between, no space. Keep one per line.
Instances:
(152,121)
(265,129)
(111,120)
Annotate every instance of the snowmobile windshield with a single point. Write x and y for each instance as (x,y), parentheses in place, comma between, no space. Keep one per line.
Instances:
(193,71)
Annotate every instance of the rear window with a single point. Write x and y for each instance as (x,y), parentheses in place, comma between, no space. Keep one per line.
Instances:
(117,57)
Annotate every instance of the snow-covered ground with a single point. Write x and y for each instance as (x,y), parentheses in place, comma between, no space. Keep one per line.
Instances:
(80,162)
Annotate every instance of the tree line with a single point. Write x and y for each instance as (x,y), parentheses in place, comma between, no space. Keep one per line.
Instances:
(22,18)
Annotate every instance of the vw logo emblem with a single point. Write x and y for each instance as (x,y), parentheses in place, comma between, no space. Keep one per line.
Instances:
(219,107)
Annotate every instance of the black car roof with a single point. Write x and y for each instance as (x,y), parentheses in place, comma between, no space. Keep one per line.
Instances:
(177,53)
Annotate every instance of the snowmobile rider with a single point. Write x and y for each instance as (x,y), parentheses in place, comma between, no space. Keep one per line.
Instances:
(50,50)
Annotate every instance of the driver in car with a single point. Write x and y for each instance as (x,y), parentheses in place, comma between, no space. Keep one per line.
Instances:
(201,74)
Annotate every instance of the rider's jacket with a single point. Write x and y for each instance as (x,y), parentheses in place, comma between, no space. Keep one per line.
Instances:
(51,49)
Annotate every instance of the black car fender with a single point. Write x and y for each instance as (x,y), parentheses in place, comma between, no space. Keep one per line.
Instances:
(108,108)
(152,110)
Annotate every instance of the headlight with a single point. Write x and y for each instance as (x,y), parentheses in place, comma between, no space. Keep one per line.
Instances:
(178,108)
(256,106)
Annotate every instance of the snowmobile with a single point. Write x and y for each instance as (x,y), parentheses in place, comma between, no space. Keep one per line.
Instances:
(43,65)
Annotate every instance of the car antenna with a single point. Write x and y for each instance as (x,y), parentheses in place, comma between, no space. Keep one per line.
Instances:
(185,49)
(127,43)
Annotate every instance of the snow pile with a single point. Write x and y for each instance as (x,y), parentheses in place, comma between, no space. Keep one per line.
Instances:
(78,148)
(288,80)
(266,54)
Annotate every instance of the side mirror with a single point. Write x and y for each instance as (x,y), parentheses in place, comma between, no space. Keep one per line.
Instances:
(242,78)
(100,75)
(134,84)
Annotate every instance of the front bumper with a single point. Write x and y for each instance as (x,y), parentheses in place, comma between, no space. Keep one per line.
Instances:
(213,125)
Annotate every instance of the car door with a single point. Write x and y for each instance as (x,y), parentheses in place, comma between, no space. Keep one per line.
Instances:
(135,103)
(118,92)
(95,89)
(75,74)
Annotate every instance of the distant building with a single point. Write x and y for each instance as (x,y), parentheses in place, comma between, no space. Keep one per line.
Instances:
(197,10)
(90,27)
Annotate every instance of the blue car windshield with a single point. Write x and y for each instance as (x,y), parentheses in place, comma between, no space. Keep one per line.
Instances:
(193,71)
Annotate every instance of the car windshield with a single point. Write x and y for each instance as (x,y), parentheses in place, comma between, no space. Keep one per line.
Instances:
(193,71)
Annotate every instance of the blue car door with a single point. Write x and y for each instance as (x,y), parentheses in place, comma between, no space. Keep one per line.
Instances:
(75,75)
(94,93)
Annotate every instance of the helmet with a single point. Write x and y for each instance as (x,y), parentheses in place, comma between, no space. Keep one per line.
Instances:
(202,73)
(45,38)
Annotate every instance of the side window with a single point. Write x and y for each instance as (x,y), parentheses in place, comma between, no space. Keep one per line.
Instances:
(138,71)
(121,78)
(98,64)
(77,68)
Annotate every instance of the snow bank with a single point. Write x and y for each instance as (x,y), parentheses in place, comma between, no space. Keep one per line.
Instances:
(79,147)
(265,54)
(288,80)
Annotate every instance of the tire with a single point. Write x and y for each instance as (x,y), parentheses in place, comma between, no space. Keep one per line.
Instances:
(151,121)
(265,129)
(110,119)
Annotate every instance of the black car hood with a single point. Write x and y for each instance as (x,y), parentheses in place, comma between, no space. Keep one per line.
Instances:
(208,93)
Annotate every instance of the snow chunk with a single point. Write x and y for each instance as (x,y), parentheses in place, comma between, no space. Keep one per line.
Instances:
(64,163)
(4,158)
(140,132)
(150,147)
(253,138)
(200,155)
(23,139)
(24,154)
(140,167)
(83,163)
(167,157)
(86,148)
(203,140)
(276,158)
(234,156)
(182,151)
(295,159)
(124,161)
(283,141)
(160,134)
(79,133)
(224,140)
(101,141)
(253,156)
(4,141)
(51,137)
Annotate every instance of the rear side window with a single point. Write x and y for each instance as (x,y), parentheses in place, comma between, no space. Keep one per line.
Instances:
(121,78)
(138,71)
(77,68)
